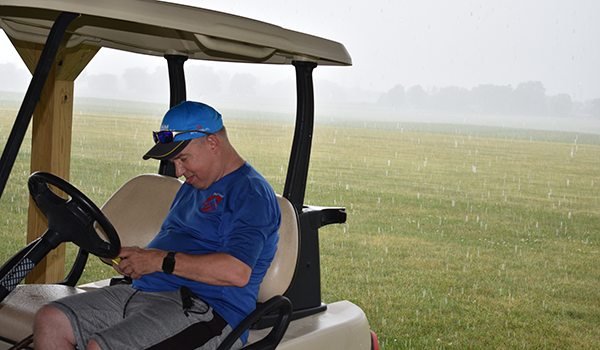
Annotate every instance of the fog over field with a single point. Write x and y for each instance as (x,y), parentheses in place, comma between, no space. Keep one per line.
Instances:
(515,64)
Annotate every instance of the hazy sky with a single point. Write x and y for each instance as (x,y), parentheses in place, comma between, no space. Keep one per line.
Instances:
(428,42)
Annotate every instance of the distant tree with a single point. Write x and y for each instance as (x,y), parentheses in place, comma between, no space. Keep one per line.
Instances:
(595,108)
(282,89)
(13,78)
(146,85)
(529,98)
(202,81)
(560,105)
(243,84)
(416,97)
(100,85)
(329,91)
(451,99)
(394,97)
(492,99)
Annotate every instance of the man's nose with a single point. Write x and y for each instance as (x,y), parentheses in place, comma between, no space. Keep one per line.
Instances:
(179,169)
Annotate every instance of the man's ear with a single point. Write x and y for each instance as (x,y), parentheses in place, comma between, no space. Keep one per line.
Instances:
(214,142)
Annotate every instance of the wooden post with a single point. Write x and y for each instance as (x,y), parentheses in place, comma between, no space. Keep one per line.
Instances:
(51,138)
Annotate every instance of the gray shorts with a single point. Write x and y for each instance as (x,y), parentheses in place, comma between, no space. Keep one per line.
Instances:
(120,317)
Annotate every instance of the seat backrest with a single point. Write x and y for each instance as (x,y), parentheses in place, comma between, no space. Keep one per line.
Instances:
(139,207)
(283,267)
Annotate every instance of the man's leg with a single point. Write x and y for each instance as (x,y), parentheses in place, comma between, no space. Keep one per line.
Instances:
(52,330)
(64,323)
(92,345)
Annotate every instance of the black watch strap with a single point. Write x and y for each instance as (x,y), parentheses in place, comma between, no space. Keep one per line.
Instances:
(168,265)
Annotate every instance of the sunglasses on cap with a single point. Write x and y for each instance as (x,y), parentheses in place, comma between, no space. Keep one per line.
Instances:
(167,136)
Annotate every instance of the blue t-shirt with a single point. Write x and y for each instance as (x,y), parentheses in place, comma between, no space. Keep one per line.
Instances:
(238,215)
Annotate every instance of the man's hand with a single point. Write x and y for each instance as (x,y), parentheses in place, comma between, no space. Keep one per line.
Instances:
(218,269)
(136,262)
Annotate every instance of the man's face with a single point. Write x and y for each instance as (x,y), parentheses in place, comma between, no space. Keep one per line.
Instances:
(198,163)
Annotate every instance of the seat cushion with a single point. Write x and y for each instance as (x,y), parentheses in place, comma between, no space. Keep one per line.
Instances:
(19,307)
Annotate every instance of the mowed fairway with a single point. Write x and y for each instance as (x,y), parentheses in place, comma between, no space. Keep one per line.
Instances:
(456,238)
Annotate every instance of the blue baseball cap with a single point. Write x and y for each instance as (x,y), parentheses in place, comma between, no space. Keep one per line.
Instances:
(186,121)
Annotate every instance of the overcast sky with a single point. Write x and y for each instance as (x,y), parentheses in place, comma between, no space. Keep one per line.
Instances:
(427,42)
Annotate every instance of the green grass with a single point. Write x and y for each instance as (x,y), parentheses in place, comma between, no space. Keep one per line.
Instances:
(457,237)
(456,241)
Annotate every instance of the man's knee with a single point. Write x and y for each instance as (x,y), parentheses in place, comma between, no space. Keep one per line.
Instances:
(49,315)
(50,324)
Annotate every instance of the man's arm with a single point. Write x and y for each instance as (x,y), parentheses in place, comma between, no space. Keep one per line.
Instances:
(217,269)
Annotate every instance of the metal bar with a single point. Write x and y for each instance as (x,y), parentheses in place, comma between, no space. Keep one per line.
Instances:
(40,75)
(295,182)
(178,95)
(176,79)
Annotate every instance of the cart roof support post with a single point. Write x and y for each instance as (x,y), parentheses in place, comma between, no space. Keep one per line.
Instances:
(178,94)
(49,100)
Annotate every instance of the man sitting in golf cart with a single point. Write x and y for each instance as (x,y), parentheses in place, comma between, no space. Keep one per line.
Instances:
(200,275)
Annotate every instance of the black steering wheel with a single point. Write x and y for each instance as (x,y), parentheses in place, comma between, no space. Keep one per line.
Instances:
(69,220)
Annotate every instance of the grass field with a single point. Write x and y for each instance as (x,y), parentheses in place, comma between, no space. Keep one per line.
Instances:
(457,237)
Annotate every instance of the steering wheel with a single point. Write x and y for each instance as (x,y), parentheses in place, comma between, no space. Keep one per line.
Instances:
(69,220)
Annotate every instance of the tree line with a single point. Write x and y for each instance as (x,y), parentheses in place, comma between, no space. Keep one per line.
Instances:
(528,98)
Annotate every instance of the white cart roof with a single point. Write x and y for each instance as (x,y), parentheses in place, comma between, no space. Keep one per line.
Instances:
(159,28)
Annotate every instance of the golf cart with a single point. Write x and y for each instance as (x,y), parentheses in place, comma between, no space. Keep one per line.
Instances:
(56,40)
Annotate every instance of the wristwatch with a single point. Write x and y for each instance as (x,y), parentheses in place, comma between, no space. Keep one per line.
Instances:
(168,264)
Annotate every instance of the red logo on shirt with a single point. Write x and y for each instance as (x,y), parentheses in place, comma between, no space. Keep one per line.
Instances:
(211,203)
